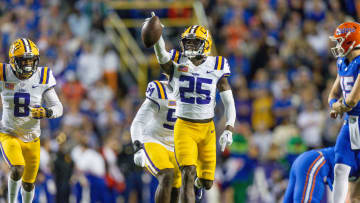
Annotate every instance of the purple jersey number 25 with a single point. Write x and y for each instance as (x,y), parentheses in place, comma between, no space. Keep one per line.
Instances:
(194,84)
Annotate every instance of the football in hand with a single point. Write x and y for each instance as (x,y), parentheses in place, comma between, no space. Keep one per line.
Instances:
(151,31)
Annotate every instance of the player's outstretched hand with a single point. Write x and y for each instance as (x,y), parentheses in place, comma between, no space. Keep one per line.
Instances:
(140,158)
(38,112)
(225,139)
(148,19)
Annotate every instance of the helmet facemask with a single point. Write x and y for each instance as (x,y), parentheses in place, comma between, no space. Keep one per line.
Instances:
(338,50)
(192,46)
(25,66)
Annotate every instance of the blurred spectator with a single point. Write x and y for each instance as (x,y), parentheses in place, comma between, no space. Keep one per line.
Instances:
(239,167)
(111,68)
(72,89)
(89,68)
(311,123)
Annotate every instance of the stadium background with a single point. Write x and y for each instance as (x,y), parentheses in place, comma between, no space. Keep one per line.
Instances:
(281,68)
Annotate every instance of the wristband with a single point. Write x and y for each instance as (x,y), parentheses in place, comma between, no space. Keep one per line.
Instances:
(332,101)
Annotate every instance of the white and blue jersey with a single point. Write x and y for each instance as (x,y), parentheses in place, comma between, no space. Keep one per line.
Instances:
(194,87)
(309,174)
(348,140)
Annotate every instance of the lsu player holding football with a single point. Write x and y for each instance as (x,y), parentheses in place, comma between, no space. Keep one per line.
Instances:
(194,77)
(23,87)
(152,133)
(344,97)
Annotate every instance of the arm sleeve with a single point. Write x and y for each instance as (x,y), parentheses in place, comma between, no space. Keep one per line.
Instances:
(147,110)
(229,104)
(160,51)
(52,102)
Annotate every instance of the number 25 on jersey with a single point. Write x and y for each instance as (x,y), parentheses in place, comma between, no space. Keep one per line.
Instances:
(194,84)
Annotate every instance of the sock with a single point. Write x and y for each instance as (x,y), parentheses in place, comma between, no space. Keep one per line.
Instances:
(341,175)
(13,189)
(198,183)
(27,197)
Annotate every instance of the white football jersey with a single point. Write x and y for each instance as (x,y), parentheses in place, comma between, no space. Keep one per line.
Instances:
(194,87)
(17,96)
(161,128)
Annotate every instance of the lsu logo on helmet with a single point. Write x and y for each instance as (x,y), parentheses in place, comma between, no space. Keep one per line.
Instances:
(24,58)
(347,37)
(196,41)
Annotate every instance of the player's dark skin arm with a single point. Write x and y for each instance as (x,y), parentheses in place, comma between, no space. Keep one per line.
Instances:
(224,85)
(167,67)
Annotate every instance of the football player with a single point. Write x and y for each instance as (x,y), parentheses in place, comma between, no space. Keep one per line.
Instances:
(23,87)
(152,133)
(311,172)
(195,76)
(347,87)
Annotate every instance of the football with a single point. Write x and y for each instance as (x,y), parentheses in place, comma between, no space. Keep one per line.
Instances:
(151,31)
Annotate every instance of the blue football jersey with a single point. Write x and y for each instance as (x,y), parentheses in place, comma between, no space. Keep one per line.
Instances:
(348,73)
(329,154)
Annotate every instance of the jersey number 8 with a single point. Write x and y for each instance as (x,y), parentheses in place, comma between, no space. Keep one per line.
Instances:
(21,102)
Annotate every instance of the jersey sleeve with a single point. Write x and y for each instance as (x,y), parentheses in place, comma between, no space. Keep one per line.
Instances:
(175,55)
(222,66)
(47,78)
(156,92)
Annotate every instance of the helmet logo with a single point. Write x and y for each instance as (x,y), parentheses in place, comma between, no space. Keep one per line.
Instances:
(340,31)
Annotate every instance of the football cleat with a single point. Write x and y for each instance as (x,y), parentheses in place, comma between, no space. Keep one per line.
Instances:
(24,58)
(198,193)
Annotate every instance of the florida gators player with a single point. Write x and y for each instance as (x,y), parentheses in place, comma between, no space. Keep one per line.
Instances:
(23,87)
(194,77)
(152,133)
(347,86)
(311,172)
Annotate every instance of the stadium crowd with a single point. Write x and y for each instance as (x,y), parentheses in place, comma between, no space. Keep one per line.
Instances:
(281,68)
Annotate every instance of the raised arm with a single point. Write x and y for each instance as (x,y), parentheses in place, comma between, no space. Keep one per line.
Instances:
(163,56)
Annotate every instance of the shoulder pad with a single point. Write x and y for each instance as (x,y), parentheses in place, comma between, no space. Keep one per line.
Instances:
(156,90)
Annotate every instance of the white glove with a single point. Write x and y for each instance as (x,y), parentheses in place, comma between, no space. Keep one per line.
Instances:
(140,158)
(225,139)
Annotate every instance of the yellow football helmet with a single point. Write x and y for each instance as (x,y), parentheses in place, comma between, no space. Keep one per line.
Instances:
(24,58)
(196,41)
